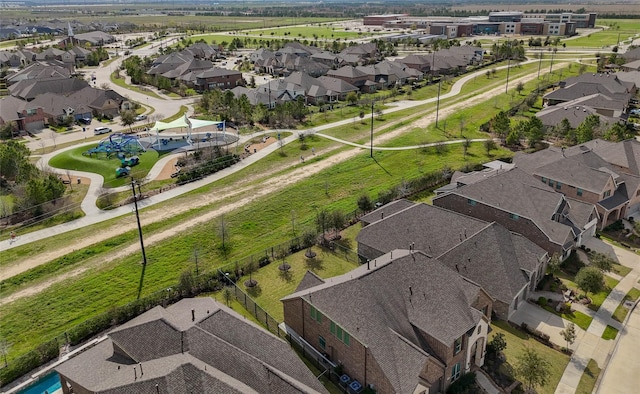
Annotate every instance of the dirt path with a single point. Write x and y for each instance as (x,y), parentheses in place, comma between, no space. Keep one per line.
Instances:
(268,186)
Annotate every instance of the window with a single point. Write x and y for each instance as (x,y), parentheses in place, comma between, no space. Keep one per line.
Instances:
(455,372)
(579,192)
(340,333)
(479,329)
(471,202)
(316,315)
(550,183)
(607,193)
(457,346)
(32,111)
(513,216)
(544,180)
(558,185)
(323,343)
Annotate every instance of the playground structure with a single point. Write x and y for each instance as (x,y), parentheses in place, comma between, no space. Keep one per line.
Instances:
(125,164)
(117,143)
(180,134)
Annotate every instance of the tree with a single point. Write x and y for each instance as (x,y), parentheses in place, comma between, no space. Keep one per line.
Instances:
(513,138)
(501,124)
(519,87)
(535,130)
(601,261)
(569,334)
(496,345)
(532,369)
(590,280)
(553,267)
(465,146)
(489,145)
(127,118)
(364,203)
(4,349)
(361,115)
(223,234)
(337,221)
(352,98)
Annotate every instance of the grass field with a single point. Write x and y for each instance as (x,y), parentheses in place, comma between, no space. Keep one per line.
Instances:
(273,284)
(596,299)
(517,341)
(617,30)
(580,319)
(321,33)
(122,83)
(589,378)
(73,159)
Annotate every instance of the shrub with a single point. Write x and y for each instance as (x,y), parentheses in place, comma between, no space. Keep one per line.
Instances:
(465,385)
(542,301)
(264,260)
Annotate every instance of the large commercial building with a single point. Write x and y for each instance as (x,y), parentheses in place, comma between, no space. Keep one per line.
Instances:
(502,22)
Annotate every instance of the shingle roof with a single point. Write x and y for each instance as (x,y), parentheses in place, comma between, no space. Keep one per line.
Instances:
(31,88)
(398,300)
(491,259)
(575,114)
(10,107)
(516,192)
(573,171)
(387,210)
(336,85)
(433,230)
(219,351)
(347,72)
(625,154)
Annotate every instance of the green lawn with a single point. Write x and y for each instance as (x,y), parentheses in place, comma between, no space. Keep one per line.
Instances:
(122,83)
(517,341)
(618,28)
(183,109)
(322,33)
(621,270)
(73,159)
(580,319)
(596,299)
(621,311)
(273,284)
(610,333)
(589,378)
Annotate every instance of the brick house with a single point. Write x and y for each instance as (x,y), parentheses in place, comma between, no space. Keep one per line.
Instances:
(505,264)
(194,346)
(526,206)
(218,78)
(418,325)
(580,173)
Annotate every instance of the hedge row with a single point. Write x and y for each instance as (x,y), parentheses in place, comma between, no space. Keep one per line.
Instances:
(208,168)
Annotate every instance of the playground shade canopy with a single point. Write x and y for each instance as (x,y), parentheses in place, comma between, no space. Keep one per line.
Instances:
(184,122)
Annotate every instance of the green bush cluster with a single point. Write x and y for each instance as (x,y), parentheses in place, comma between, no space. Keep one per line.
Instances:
(208,168)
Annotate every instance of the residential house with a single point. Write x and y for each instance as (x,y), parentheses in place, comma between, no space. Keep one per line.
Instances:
(587,84)
(39,71)
(386,74)
(418,325)
(315,92)
(581,173)
(194,346)
(51,54)
(26,116)
(56,106)
(256,96)
(505,264)
(578,110)
(631,55)
(93,38)
(337,87)
(29,89)
(368,53)
(524,205)
(101,102)
(417,62)
(631,66)
(355,77)
(218,78)
(19,58)
(202,50)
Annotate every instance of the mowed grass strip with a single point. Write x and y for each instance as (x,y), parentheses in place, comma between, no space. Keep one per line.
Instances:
(516,343)
(589,378)
(621,311)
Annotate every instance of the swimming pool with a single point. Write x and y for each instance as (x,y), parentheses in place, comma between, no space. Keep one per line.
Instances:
(48,383)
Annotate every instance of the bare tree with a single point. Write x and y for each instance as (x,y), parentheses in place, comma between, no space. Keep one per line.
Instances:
(4,349)
(54,136)
(68,174)
(223,234)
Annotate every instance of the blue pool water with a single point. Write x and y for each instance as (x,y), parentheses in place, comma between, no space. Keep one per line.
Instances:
(48,383)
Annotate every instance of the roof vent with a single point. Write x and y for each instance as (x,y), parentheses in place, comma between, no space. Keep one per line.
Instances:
(193,315)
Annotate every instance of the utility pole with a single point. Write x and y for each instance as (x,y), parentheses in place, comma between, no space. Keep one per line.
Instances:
(551,65)
(539,63)
(506,87)
(438,101)
(135,204)
(372,103)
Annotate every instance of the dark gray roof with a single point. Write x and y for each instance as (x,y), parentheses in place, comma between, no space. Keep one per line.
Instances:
(39,70)
(581,213)
(398,300)
(10,107)
(386,210)
(433,230)
(218,351)
(309,280)
(216,72)
(517,192)
(492,259)
(619,197)
(573,111)
(336,85)
(31,88)
(572,92)
(575,172)
(347,72)
(625,154)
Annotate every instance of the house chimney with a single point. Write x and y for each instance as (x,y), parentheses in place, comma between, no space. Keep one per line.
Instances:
(193,315)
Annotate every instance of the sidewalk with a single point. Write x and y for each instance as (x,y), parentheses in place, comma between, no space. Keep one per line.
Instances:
(592,346)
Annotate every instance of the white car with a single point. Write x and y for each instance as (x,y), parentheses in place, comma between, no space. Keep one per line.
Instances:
(140,117)
(101,130)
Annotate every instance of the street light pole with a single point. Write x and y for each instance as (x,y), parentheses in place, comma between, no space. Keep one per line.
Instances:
(135,204)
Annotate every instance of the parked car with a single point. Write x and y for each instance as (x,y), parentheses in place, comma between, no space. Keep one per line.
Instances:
(85,120)
(635,112)
(140,117)
(101,130)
